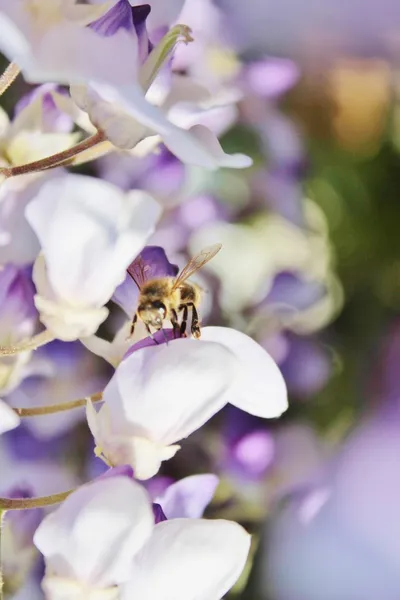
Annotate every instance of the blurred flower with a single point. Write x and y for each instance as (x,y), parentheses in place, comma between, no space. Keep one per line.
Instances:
(119,515)
(75,280)
(18,552)
(308,33)
(144,416)
(70,372)
(306,367)
(18,320)
(337,535)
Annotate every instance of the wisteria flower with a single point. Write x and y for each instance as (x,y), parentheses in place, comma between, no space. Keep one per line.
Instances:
(89,233)
(145,108)
(50,44)
(18,320)
(160,394)
(104,536)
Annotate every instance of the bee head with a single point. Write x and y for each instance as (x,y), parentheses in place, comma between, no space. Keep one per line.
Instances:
(152,313)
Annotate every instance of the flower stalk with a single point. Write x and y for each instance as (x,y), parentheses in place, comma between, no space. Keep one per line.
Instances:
(52,409)
(8,77)
(57,159)
(41,339)
(38,502)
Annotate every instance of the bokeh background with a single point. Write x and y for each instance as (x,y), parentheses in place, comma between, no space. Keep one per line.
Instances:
(310,268)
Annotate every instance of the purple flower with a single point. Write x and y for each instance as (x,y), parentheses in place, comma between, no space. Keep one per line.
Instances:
(306,367)
(338,534)
(270,77)
(248,447)
(291,292)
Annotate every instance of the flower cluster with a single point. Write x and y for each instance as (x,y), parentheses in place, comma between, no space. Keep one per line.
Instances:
(112,82)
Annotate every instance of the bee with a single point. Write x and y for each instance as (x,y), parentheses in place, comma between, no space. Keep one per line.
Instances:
(164,298)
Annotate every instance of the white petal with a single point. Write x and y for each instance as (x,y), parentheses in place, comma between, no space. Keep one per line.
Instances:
(198,146)
(96,532)
(89,232)
(166,392)
(163,13)
(189,559)
(259,388)
(204,148)
(68,323)
(146,457)
(58,588)
(8,418)
(188,497)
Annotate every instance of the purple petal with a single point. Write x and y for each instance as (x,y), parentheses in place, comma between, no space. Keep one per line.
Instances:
(307,366)
(163,336)
(139,15)
(254,453)
(124,470)
(291,292)
(156,486)
(130,18)
(53,119)
(126,296)
(156,263)
(189,497)
(248,448)
(159,515)
(271,77)
(118,17)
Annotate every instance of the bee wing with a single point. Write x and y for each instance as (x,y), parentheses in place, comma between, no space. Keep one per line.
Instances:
(196,263)
(139,272)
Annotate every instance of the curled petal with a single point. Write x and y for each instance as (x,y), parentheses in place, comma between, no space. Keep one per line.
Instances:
(259,387)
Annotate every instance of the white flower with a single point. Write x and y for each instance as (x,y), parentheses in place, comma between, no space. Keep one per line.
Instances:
(104,536)
(89,233)
(49,41)
(161,394)
(127,117)
(8,418)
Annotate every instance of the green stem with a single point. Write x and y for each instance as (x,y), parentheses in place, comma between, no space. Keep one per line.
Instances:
(51,409)
(54,160)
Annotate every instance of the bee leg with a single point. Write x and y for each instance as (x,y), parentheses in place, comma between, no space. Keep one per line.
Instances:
(174,321)
(184,308)
(134,321)
(151,334)
(195,327)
